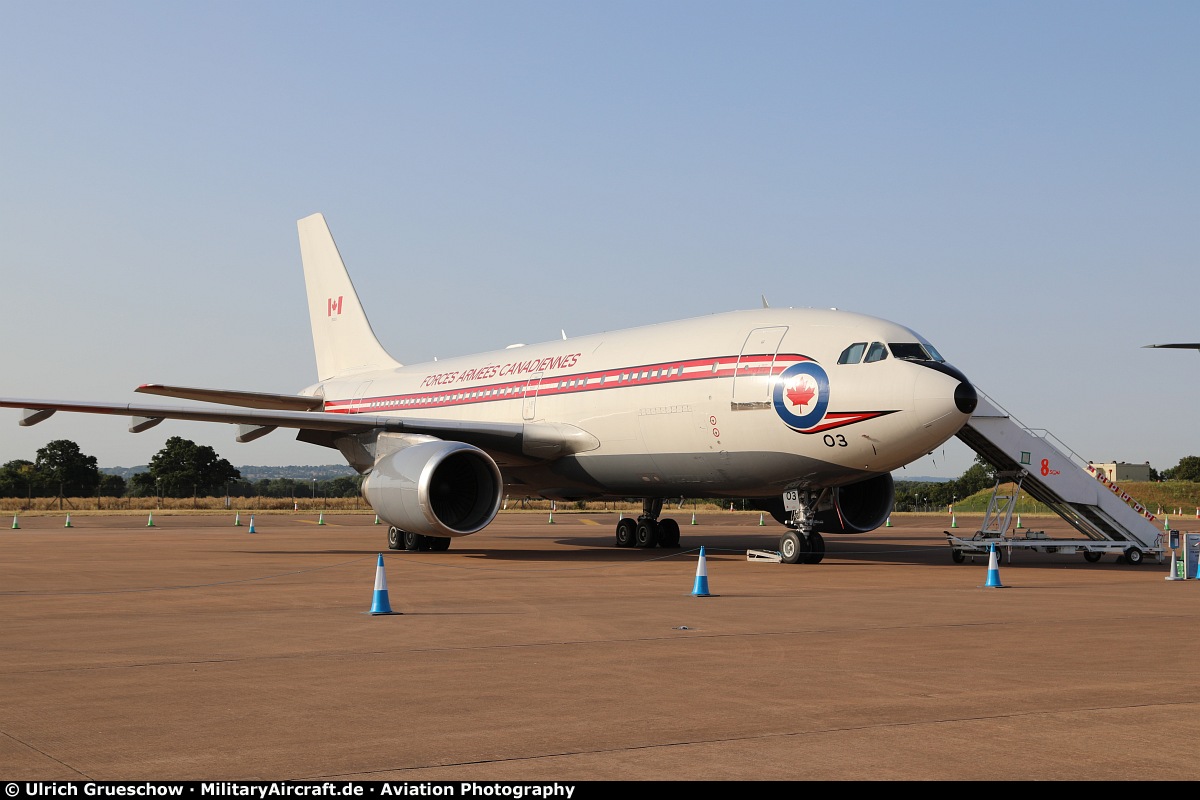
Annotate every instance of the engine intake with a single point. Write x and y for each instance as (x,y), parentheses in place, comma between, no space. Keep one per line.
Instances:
(859,507)
(436,488)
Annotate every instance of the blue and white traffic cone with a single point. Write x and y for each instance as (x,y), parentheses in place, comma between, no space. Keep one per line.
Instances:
(700,589)
(251,529)
(993,576)
(379,602)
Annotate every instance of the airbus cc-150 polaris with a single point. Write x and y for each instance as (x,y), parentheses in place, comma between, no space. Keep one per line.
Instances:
(803,412)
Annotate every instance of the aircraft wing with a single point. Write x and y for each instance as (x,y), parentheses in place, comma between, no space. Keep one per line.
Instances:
(288,402)
(502,440)
(1181,345)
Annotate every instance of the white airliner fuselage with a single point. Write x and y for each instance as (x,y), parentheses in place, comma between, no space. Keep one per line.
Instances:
(804,412)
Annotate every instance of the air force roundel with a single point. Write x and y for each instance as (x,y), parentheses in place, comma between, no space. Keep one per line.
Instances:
(801,395)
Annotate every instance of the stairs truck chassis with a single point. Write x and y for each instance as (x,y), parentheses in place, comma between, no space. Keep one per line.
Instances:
(961,549)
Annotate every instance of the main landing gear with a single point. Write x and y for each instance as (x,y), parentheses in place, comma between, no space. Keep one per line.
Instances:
(648,530)
(413,542)
(801,543)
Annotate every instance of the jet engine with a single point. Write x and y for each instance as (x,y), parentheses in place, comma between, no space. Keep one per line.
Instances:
(859,507)
(436,488)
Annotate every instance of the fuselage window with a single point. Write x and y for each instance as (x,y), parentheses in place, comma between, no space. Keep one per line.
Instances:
(876,352)
(852,354)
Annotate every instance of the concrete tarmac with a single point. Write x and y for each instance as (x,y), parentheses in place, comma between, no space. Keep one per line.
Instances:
(538,651)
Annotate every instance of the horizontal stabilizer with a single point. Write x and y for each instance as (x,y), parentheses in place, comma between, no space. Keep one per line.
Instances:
(230,397)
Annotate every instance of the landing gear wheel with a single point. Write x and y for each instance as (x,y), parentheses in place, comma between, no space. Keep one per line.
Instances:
(647,533)
(792,547)
(626,531)
(395,538)
(1091,556)
(439,544)
(668,533)
(816,548)
(957,556)
(1134,556)
(413,541)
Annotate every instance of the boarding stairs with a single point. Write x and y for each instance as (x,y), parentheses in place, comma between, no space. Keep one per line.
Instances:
(1053,474)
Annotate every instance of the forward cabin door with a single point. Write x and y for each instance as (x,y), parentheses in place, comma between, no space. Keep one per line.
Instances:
(529,405)
(756,363)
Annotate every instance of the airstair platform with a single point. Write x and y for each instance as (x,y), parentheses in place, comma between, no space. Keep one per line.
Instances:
(1053,474)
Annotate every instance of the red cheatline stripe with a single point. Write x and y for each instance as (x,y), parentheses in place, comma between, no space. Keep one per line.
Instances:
(574,383)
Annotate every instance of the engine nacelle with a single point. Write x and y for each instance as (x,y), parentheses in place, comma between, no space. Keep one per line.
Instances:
(436,488)
(859,507)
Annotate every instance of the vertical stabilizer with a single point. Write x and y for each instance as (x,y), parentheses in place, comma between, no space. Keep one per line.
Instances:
(342,336)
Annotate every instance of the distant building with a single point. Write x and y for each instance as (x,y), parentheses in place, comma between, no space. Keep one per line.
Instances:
(1121,471)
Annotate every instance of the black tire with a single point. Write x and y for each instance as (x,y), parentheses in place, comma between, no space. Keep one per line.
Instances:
(816,548)
(626,532)
(792,547)
(439,544)
(647,533)
(1091,556)
(1134,556)
(668,533)
(957,556)
(412,541)
(395,538)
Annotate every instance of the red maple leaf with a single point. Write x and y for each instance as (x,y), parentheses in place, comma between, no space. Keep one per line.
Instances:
(801,394)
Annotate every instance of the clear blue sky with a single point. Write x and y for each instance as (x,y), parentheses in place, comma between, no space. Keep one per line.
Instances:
(1018,181)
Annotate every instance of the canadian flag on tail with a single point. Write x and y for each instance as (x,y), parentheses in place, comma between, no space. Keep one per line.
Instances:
(335,306)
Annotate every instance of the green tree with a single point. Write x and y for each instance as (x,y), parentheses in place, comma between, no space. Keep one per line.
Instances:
(347,486)
(141,484)
(112,485)
(20,478)
(183,468)
(978,476)
(1188,469)
(64,468)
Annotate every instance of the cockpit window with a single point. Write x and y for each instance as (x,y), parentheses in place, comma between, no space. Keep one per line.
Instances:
(912,351)
(932,351)
(876,352)
(852,354)
(909,351)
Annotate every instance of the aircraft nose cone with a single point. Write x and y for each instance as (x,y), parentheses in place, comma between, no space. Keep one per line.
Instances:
(966,398)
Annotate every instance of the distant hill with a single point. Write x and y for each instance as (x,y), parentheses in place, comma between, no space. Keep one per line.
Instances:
(322,472)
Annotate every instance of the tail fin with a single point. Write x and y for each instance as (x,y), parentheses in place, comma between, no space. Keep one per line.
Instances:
(342,336)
